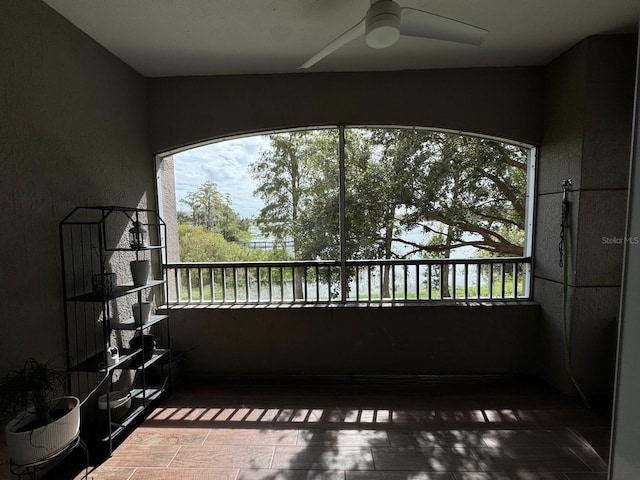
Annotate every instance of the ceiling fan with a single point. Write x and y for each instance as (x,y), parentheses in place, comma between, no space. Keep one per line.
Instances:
(385,21)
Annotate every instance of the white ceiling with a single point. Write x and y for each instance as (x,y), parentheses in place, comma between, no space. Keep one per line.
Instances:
(222,37)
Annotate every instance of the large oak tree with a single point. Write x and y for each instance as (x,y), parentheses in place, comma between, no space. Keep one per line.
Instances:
(448,190)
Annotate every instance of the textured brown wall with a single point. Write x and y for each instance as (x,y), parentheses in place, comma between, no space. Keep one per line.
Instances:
(587,138)
(413,339)
(73,131)
(504,102)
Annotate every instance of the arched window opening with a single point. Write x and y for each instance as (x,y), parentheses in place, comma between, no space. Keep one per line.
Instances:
(352,214)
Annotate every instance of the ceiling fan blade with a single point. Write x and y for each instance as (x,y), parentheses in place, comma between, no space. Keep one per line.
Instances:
(416,23)
(351,34)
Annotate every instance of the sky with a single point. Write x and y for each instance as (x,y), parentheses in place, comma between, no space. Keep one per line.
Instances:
(225,163)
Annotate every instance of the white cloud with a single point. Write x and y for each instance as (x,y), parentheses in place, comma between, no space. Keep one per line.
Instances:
(225,163)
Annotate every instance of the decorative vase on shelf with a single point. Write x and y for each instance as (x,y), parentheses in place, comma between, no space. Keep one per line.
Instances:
(147,342)
(104,283)
(141,312)
(140,272)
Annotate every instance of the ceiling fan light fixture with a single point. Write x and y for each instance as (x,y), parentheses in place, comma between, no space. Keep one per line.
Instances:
(382,24)
(385,21)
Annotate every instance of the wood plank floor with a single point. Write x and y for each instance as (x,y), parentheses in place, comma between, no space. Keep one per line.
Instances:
(361,428)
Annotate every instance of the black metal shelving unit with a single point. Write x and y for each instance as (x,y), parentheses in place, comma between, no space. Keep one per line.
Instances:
(91,239)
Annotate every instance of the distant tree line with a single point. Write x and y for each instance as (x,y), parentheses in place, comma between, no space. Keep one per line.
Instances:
(211,230)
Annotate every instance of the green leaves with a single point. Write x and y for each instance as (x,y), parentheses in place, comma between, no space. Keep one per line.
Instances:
(408,192)
(449,191)
(298,181)
(35,385)
(199,245)
(470,189)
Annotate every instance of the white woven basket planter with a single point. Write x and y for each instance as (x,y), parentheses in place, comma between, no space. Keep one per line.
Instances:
(36,445)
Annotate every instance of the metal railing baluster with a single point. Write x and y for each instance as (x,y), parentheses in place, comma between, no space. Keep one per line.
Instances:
(246,284)
(212,284)
(281,284)
(258,285)
(178,285)
(452,267)
(406,281)
(235,285)
(466,281)
(491,281)
(224,285)
(293,284)
(392,287)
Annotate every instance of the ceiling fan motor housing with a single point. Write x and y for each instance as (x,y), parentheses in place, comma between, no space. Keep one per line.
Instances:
(382,24)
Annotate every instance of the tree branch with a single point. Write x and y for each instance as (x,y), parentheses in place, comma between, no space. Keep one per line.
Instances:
(490,246)
(496,218)
(502,244)
(506,191)
(507,159)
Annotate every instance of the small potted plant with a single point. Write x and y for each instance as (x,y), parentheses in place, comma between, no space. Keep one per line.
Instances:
(41,423)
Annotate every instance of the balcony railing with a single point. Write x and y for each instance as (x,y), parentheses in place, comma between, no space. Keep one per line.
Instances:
(371,281)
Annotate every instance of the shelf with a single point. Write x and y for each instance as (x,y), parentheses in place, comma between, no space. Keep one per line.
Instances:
(150,393)
(158,353)
(131,325)
(119,291)
(135,364)
(137,409)
(140,400)
(89,236)
(131,249)
(128,361)
(96,362)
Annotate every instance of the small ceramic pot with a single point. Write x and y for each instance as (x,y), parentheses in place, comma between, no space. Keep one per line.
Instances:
(141,312)
(140,272)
